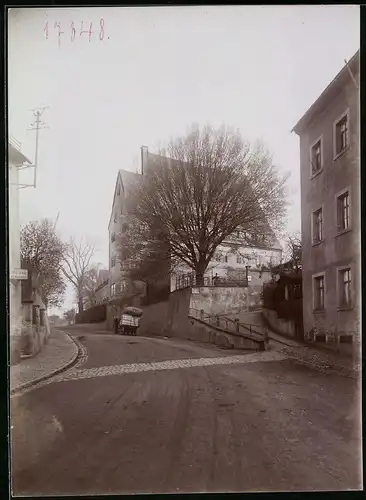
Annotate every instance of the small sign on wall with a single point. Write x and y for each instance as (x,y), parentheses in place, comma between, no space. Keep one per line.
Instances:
(249,278)
(19,274)
(196,290)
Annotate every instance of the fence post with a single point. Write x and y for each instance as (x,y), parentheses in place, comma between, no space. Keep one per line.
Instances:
(266,336)
(250,330)
(237,326)
(217,320)
(202,313)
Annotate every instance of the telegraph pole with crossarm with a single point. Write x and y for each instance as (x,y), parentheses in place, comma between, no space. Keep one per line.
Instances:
(37,125)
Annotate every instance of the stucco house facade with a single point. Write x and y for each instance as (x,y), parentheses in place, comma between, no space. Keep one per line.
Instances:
(16,159)
(330,208)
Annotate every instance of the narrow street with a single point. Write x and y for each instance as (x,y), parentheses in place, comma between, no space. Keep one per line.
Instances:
(149,415)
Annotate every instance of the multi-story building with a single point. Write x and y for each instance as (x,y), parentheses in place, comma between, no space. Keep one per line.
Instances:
(117,223)
(98,292)
(330,207)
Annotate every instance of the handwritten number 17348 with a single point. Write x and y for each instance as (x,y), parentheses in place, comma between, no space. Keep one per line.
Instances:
(73,32)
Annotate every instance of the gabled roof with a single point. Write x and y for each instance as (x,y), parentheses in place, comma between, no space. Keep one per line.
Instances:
(127,180)
(335,86)
(15,156)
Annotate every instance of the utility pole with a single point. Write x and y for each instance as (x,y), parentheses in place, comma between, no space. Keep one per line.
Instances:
(37,125)
(55,224)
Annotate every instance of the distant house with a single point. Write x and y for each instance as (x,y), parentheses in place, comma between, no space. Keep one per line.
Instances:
(330,206)
(102,292)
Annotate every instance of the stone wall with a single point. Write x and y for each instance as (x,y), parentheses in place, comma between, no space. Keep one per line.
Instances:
(224,300)
(201,332)
(171,319)
(35,328)
(155,319)
(279,325)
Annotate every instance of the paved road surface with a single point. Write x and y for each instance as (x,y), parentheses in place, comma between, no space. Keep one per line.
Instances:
(134,418)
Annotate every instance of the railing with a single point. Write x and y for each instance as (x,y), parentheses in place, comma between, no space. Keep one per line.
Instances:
(232,326)
(190,280)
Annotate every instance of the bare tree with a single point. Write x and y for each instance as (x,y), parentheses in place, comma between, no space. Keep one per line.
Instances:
(77,266)
(201,189)
(70,316)
(91,282)
(294,251)
(42,251)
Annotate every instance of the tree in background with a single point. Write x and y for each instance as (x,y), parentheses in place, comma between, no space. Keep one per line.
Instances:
(201,189)
(91,282)
(293,252)
(70,316)
(43,251)
(76,267)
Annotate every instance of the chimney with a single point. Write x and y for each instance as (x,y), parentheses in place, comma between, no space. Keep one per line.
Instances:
(144,153)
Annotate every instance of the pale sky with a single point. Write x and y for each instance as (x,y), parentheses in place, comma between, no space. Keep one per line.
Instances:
(156,71)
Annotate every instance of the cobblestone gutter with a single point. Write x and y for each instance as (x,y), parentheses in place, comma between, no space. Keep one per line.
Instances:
(324,361)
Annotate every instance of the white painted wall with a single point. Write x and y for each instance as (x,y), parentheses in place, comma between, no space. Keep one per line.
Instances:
(14,250)
(256,258)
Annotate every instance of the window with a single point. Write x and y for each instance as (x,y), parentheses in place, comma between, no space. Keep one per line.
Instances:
(344,283)
(115,217)
(113,237)
(343,213)
(319,293)
(113,289)
(316,157)
(118,190)
(113,261)
(239,259)
(318,225)
(225,258)
(341,135)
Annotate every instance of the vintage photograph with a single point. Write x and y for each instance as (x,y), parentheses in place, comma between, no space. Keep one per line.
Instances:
(184,260)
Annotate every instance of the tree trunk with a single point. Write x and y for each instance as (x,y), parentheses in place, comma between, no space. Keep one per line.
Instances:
(80,305)
(199,272)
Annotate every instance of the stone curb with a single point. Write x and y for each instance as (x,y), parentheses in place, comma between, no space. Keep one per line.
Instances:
(326,367)
(67,365)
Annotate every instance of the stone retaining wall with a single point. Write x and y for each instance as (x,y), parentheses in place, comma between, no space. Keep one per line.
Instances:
(203,332)
(279,325)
